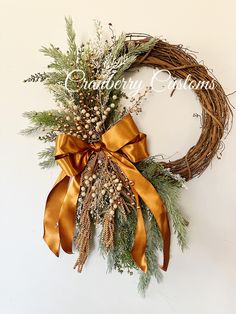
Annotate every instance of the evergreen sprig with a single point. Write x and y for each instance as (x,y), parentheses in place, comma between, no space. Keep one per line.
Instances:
(43,118)
(47,157)
(37,77)
(71,40)
(168,186)
(41,121)
(119,258)
(154,242)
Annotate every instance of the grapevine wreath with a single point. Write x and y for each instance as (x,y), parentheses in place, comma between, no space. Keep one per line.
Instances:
(107,178)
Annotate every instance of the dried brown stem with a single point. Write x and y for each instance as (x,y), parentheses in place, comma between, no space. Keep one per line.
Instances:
(83,240)
(108,231)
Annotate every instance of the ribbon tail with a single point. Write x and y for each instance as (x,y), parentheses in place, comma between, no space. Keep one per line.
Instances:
(54,202)
(139,246)
(67,215)
(152,199)
(154,202)
(160,214)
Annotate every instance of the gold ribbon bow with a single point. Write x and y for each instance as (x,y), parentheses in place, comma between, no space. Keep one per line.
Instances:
(125,145)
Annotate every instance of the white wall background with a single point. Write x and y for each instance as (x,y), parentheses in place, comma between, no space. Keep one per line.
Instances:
(32,279)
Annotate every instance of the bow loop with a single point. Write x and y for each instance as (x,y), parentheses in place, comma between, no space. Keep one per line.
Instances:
(137,150)
(71,154)
(67,164)
(122,133)
(68,144)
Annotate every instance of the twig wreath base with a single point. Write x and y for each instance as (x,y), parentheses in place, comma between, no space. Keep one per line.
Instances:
(216,110)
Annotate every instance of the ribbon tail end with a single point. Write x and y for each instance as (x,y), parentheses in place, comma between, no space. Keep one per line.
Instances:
(53,247)
(142,264)
(144,268)
(164,267)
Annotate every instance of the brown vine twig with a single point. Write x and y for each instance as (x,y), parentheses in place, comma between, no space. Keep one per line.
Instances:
(217,116)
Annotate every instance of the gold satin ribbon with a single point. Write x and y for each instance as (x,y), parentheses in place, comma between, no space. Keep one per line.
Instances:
(125,145)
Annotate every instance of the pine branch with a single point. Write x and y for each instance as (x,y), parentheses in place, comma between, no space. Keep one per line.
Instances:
(48,156)
(60,59)
(154,242)
(179,223)
(43,119)
(31,130)
(119,46)
(37,77)
(168,186)
(142,47)
(132,54)
(61,95)
(55,78)
(44,122)
(119,258)
(129,60)
(63,62)
(71,36)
